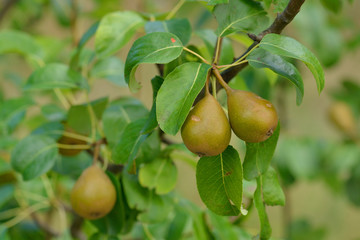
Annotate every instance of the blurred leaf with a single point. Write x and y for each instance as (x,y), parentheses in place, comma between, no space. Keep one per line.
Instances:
(265,228)
(74,165)
(62,10)
(258,156)
(288,47)
(219,182)
(6,193)
(154,208)
(55,75)
(112,69)
(114,221)
(177,225)
(172,114)
(119,114)
(53,130)
(214,2)
(332,5)
(210,38)
(53,112)
(12,41)
(260,58)
(12,112)
(222,227)
(88,34)
(302,230)
(34,156)
(79,116)
(240,15)
(160,174)
(352,186)
(280,5)
(179,27)
(159,47)
(152,123)
(114,31)
(271,189)
(26,230)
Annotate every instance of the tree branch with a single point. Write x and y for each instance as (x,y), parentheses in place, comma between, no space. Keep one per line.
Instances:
(280,22)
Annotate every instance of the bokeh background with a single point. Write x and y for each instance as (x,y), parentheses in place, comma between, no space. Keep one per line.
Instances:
(319,157)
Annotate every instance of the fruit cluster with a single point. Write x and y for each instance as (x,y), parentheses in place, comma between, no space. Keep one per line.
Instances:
(207,131)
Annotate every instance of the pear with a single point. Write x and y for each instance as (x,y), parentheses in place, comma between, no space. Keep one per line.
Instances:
(70,141)
(252,118)
(343,118)
(93,195)
(206,130)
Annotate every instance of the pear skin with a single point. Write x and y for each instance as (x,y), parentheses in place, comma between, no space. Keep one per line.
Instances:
(206,130)
(93,195)
(252,118)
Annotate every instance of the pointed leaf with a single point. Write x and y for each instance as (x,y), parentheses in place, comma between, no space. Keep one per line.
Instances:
(34,156)
(178,93)
(55,75)
(219,182)
(111,69)
(239,15)
(265,228)
(272,192)
(260,58)
(159,47)
(114,31)
(180,27)
(258,156)
(289,47)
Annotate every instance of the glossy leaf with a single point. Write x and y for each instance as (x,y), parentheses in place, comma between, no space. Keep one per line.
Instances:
(12,41)
(260,58)
(160,174)
(239,15)
(179,27)
(55,75)
(258,156)
(265,228)
(288,47)
(219,182)
(178,93)
(112,69)
(159,47)
(114,31)
(272,192)
(79,116)
(34,156)
(119,114)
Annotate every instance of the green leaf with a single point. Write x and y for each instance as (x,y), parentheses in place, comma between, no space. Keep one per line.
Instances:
(74,165)
(88,34)
(222,227)
(114,31)
(352,185)
(119,114)
(160,174)
(127,147)
(301,229)
(79,116)
(179,27)
(260,58)
(265,228)
(12,41)
(51,129)
(152,123)
(258,156)
(178,93)
(112,69)
(6,193)
(34,156)
(114,221)
(332,5)
(272,192)
(12,112)
(219,182)
(288,47)
(215,2)
(55,75)
(240,15)
(154,208)
(53,112)
(159,47)
(177,225)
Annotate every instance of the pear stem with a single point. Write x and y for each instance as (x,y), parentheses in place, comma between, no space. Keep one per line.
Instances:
(207,92)
(220,79)
(96,152)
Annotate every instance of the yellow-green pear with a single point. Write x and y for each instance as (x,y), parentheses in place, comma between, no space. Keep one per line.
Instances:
(93,195)
(206,130)
(252,118)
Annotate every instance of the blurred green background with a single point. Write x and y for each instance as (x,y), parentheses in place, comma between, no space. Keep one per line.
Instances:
(316,153)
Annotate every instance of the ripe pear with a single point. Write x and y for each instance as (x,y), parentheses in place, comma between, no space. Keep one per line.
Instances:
(93,195)
(343,118)
(252,118)
(206,130)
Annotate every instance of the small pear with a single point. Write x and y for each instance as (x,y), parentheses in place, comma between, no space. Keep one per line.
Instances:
(343,118)
(93,195)
(252,118)
(206,130)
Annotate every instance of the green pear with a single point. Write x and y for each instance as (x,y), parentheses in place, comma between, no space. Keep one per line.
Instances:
(206,130)
(252,118)
(93,195)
